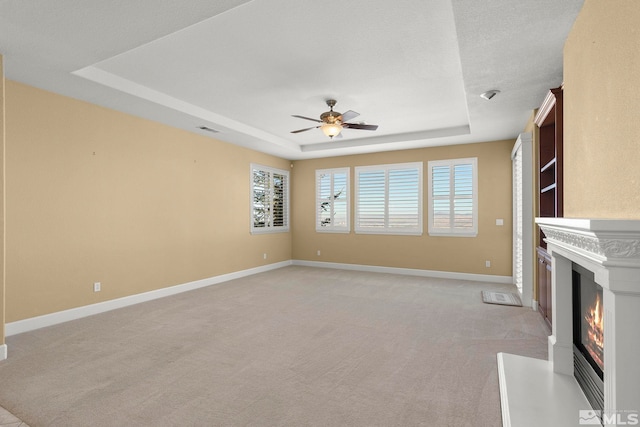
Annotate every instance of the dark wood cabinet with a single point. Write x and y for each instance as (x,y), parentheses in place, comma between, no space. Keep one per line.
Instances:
(544,286)
(550,186)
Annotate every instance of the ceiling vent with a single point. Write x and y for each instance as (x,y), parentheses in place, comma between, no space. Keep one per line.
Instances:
(489,94)
(208,129)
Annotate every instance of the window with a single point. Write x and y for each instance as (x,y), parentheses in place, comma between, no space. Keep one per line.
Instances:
(389,199)
(332,200)
(269,199)
(453,197)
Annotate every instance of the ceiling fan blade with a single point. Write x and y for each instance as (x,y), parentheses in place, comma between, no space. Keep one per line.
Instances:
(304,130)
(359,126)
(306,118)
(348,115)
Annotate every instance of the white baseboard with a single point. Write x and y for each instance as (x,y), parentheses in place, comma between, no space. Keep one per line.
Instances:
(3,351)
(408,271)
(534,305)
(38,322)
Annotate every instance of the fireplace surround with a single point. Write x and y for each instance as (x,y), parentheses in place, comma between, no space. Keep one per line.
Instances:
(535,392)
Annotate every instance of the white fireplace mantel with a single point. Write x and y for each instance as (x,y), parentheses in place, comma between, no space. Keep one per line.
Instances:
(605,245)
(611,250)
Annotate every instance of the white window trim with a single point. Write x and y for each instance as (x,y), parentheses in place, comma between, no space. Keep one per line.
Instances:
(271,229)
(332,228)
(388,230)
(454,232)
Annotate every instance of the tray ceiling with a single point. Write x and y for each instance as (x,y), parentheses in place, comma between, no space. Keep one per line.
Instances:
(243,68)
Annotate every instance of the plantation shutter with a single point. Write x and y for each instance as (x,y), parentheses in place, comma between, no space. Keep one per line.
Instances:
(389,199)
(518,226)
(260,194)
(441,200)
(371,199)
(523,247)
(269,199)
(332,200)
(453,197)
(279,190)
(404,198)
(463,217)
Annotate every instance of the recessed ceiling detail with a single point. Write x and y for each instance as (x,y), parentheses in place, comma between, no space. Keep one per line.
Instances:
(243,67)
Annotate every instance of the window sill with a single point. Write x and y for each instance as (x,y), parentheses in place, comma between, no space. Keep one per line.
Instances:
(324,230)
(391,232)
(448,234)
(269,230)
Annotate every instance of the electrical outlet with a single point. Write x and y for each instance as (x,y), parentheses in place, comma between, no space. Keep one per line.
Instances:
(96,287)
(487,263)
(499,221)
(318,253)
(264,255)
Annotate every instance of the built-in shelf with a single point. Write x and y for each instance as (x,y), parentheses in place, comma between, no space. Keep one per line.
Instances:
(551,163)
(550,150)
(548,188)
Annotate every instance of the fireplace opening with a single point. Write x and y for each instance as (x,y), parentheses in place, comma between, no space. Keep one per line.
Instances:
(588,336)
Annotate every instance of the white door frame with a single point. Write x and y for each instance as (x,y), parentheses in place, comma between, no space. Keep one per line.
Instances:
(523,259)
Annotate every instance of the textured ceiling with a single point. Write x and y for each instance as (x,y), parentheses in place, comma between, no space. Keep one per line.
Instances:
(244,67)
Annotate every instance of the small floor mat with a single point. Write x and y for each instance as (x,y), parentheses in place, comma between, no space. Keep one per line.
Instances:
(502,298)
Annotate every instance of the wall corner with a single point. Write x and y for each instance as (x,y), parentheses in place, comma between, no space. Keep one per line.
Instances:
(3,347)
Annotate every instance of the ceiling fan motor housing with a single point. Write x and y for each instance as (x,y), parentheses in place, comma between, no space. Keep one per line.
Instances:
(331,117)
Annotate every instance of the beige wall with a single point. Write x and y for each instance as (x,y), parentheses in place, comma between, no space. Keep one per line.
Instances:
(95,195)
(455,254)
(602,111)
(2,226)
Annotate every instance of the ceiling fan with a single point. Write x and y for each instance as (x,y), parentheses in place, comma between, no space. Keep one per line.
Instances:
(333,122)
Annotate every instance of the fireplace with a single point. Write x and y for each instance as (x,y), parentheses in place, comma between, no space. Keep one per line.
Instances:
(588,335)
(602,258)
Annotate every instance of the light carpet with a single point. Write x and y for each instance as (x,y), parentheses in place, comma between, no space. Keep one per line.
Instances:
(296,346)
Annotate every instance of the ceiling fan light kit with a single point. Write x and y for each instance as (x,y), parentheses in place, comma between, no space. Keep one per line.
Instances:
(331,129)
(332,122)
